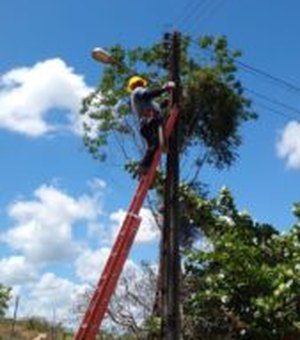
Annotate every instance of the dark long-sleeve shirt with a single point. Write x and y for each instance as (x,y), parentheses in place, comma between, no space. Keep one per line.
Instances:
(142,101)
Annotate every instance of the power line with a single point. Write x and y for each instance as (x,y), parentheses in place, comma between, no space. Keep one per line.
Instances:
(273,101)
(265,74)
(256,71)
(278,80)
(199,12)
(211,10)
(208,7)
(190,12)
(185,10)
(277,112)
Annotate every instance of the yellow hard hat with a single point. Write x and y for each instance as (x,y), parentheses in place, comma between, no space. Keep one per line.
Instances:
(133,81)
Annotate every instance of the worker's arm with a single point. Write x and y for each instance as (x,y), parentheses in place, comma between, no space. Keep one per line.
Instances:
(151,94)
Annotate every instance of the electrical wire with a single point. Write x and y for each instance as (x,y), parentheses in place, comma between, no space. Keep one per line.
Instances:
(196,17)
(200,14)
(189,12)
(210,11)
(247,67)
(279,81)
(180,20)
(267,75)
(194,8)
(196,11)
(214,8)
(277,112)
(273,101)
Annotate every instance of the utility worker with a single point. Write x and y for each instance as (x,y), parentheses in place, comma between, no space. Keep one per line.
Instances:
(149,114)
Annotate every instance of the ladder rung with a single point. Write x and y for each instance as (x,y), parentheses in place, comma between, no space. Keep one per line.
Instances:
(134,215)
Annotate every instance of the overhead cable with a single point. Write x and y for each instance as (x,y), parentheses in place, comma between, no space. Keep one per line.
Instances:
(273,101)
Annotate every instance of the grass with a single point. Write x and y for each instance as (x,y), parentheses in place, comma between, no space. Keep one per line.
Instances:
(29,329)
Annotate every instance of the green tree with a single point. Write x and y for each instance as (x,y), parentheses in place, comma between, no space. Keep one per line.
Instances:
(213,108)
(4,299)
(247,284)
(213,105)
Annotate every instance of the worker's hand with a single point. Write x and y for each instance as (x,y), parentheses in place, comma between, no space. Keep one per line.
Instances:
(169,86)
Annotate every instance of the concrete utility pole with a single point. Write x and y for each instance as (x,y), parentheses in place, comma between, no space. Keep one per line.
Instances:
(170,329)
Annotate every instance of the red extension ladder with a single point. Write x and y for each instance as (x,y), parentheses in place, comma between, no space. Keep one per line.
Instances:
(107,283)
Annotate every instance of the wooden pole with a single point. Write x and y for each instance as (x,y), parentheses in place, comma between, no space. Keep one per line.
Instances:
(171,257)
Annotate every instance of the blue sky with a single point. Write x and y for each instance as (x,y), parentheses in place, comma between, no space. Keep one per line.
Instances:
(59,209)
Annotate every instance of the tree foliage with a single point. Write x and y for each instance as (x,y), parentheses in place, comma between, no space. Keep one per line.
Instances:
(247,284)
(213,105)
(4,299)
(241,278)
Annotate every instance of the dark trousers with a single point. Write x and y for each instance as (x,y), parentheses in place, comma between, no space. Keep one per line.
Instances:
(149,131)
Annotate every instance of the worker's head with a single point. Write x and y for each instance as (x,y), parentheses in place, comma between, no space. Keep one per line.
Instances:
(136,81)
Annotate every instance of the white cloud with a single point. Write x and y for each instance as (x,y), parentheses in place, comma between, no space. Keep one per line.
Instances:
(53,290)
(51,297)
(90,264)
(148,230)
(288,145)
(42,232)
(29,94)
(43,228)
(16,270)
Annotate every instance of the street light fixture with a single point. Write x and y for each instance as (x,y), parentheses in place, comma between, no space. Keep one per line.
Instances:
(102,56)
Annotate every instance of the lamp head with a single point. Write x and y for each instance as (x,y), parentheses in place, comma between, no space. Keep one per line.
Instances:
(102,56)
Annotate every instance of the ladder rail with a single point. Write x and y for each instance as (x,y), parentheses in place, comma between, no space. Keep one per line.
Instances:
(112,283)
(106,277)
(106,288)
(98,303)
(107,283)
